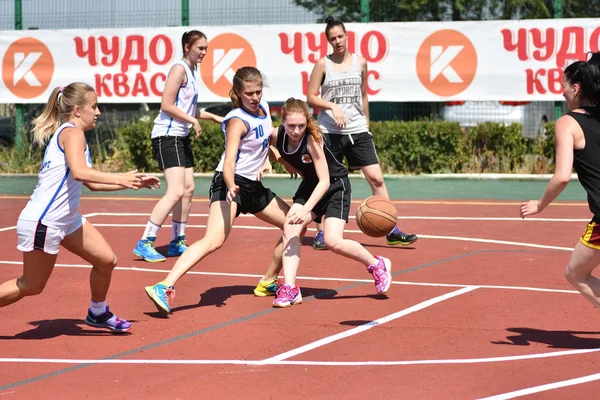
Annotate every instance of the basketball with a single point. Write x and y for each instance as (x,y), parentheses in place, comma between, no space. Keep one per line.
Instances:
(376,216)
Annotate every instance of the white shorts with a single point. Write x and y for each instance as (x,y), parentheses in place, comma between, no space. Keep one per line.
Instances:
(33,235)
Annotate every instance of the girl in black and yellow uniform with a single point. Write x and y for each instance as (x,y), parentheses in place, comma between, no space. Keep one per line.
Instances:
(324,193)
(578,146)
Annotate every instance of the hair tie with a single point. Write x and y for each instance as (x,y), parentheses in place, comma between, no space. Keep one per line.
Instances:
(61,89)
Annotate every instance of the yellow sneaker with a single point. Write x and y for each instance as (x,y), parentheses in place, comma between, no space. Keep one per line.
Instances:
(266,288)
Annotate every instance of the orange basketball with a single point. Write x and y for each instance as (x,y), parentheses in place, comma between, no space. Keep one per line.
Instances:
(376,216)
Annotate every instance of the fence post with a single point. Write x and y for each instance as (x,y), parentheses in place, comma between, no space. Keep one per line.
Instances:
(19,108)
(185,12)
(558,8)
(364,10)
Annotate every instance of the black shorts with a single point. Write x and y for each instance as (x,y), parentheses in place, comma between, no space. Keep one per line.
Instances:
(335,203)
(173,151)
(252,197)
(359,154)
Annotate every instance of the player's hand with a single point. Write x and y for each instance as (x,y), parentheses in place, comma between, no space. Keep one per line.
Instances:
(132,179)
(267,168)
(299,216)
(150,182)
(231,192)
(338,116)
(530,208)
(291,170)
(197,128)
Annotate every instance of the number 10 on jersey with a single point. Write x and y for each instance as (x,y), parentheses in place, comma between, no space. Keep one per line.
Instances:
(259,132)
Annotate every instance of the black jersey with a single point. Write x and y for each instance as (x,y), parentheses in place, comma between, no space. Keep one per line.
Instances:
(587,160)
(300,158)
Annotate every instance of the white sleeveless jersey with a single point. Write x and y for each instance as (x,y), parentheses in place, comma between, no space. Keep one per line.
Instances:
(186,99)
(55,200)
(254,145)
(343,89)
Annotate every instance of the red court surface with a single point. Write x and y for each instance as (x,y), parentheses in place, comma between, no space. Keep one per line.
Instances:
(479,309)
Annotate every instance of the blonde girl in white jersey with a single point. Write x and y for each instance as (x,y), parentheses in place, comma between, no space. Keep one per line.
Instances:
(341,78)
(51,218)
(173,148)
(236,187)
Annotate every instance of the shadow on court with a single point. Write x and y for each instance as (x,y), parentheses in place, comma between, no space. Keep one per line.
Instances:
(218,296)
(308,241)
(355,322)
(554,339)
(52,328)
(213,297)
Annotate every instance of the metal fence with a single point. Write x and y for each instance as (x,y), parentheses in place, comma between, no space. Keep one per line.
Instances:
(77,14)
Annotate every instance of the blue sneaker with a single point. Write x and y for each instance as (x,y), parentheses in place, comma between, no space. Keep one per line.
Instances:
(107,320)
(145,250)
(176,247)
(160,294)
(319,241)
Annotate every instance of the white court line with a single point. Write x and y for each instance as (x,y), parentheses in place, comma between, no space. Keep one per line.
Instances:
(315,278)
(8,228)
(307,363)
(521,244)
(369,325)
(543,388)
(400,217)
(420,235)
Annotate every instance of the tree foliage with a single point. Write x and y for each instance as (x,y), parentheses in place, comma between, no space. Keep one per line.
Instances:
(450,10)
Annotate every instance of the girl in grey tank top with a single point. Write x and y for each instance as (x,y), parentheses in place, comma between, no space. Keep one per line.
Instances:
(344,116)
(343,89)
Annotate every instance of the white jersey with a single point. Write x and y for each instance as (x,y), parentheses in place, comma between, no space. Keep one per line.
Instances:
(254,145)
(55,200)
(343,89)
(186,100)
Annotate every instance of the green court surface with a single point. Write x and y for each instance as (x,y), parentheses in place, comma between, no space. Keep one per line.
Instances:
(399,188)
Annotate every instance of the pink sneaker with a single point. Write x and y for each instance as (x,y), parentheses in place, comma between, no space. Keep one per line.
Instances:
(382,274)
(287,295)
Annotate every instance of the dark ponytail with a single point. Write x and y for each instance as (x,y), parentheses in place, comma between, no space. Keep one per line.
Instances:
(332,23)
(574,72)
(590,79)
(189,38)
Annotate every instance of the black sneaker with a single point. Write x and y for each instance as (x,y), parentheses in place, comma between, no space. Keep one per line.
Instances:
(398,237)
(107,320)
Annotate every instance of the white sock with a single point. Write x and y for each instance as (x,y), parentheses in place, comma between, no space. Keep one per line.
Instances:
(151,230)
(98,308)
(178,229)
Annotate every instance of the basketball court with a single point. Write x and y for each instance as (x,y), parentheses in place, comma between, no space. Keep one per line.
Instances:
(479,308)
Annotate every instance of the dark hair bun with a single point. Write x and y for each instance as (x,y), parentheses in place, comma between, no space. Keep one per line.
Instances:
(329,19)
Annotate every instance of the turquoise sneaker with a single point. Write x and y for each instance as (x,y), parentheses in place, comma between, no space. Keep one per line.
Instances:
(145,250)
(176,247)
(160,294)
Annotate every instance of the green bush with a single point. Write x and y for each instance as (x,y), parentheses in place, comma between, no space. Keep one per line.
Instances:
(138,146)
(419,146)
(411,147)
(496,147)
(207,149)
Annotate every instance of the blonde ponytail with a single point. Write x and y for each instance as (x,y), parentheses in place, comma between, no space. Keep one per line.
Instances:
(59,109)
(45,125)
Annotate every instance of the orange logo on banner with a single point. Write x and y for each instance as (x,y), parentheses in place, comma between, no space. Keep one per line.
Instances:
(27,68)
(446,62)
(226,54)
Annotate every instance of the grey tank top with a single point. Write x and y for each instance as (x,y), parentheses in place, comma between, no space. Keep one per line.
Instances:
(343,89)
